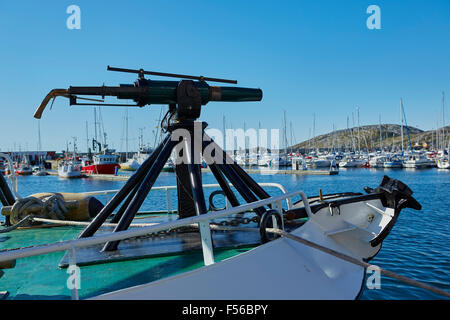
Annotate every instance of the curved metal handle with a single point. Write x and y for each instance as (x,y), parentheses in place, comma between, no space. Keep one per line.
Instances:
(52,94)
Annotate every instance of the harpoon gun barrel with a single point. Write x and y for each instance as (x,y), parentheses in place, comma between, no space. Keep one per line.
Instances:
(146,92)
(165,92)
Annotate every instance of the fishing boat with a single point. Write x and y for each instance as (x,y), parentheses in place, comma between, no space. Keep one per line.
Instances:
(23,168)
(284,246)
(69,169)
(39,171)
(104,163)
(2,167)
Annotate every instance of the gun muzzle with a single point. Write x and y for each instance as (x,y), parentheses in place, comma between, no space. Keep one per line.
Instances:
(156,92)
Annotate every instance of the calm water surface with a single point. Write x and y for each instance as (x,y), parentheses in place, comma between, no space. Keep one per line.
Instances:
(418,246)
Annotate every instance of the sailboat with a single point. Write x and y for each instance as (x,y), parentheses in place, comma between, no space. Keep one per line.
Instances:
(39,170)
(444,161)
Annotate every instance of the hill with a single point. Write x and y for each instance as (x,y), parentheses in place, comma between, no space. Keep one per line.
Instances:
(370,138)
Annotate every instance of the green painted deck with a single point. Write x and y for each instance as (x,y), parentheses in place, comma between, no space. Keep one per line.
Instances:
(39,277)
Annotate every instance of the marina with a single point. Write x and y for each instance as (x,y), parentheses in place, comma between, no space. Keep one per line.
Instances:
(216,164)
(426,229)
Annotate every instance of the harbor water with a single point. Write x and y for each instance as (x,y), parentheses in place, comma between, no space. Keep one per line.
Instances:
(417,247)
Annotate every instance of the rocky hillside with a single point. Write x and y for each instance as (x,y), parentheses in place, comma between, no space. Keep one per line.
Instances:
(370,137)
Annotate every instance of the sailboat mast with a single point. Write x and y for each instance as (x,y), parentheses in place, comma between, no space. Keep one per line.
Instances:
(291,143)
(95,124)
(314,131)
(381,148)
(126,133)
(443,122)
(224,132)
(284,131)
(401,117)
(346,140)
(353,136)
(87,137)
(39,136)
(359,138)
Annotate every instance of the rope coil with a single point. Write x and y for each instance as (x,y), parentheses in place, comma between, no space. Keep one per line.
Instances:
(51,206)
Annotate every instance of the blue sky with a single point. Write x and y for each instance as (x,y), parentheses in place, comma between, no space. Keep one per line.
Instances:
(307,56)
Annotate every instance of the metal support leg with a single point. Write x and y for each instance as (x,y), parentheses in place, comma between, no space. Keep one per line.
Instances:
(3,199)
(143,191)
(240,186)
(7,194)
(123,192)
(126,203)
(199,200)
(224,185)
(254,186)
(195,179)
(232,176)
(219,176)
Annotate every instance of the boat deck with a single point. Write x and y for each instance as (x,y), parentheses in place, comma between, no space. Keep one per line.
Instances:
(41,277)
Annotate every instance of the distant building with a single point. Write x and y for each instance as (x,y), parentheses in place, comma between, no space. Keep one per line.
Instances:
(32,156)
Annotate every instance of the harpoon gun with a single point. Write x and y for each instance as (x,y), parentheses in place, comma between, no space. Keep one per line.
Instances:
(185,96)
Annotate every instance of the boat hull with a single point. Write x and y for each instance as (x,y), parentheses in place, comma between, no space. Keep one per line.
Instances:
(441,164)
(109,168)
(286,269)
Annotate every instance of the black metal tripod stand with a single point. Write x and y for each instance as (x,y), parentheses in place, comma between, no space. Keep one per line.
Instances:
(190,136)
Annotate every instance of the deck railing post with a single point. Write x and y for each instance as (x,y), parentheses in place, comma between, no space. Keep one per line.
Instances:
(74,279)
(207,246)
(277,205)
(168,201)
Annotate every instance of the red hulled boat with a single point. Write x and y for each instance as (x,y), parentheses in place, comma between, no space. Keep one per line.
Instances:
(101,164)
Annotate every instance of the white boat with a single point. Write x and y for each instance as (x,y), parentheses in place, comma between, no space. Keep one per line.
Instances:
(264,160)
(169,166)
(352,163)
(393,162)
(279,162)
(377,162)
(322,161)
(443,163)
(298,163)
(417,161)
(131,165)
(355,226)
(68,169)
(39,171)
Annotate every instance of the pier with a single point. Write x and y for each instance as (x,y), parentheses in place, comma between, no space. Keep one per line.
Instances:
(122,177)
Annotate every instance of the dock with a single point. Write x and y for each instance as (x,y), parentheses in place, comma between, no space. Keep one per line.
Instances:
(264,171)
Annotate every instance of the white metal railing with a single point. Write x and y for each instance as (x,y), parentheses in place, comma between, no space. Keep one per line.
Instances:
(121,235)
(168,188)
